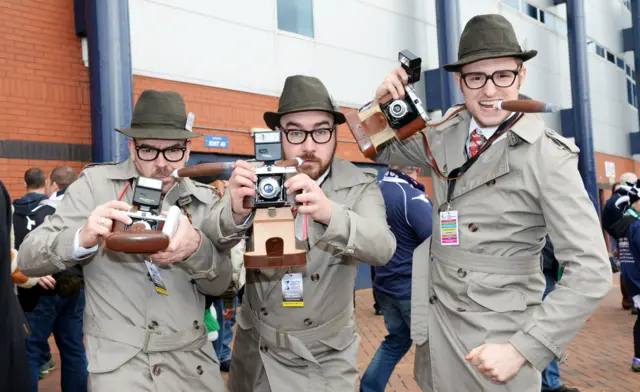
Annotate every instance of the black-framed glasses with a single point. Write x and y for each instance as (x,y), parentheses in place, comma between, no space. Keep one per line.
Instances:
(298,136)
(502,78)
(171,154)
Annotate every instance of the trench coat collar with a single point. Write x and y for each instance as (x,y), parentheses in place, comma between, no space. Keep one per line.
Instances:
(343,175)
(529,128)
(183,190)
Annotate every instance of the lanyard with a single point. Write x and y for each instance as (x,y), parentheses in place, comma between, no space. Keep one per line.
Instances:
(458,172)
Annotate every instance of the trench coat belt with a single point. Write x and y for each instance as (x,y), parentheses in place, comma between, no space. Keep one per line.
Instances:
(501,265)
(150,341)
(296,341)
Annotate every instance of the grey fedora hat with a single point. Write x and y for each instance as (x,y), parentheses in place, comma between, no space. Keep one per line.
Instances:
(486,37)
(301,94)
(160,115)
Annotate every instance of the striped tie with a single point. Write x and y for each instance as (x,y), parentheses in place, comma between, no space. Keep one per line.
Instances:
(476,141)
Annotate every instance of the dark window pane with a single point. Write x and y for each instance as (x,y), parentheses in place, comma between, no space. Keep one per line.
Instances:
(531,10)
(620,63)
(599,50)
(611,57)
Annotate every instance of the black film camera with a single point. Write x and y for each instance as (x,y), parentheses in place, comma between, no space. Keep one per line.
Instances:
(270,189)
(147,199)
(401,112)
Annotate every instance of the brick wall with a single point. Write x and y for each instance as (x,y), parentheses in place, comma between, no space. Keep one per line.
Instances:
(44,86)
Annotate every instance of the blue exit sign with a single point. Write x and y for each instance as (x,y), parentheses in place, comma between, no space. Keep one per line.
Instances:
(217,141)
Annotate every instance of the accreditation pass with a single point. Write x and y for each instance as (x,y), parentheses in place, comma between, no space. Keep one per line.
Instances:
(449,234)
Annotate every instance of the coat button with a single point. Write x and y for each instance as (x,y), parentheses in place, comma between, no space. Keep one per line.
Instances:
(153,324)
(462,273)
(473,228)
(157,370)
(433,300)
(315,277)
(491,183)
(196,324)
(264,311)
(264,349)
(199,370)
(307,322)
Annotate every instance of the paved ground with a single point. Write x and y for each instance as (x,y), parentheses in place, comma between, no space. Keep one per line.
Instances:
(600,355)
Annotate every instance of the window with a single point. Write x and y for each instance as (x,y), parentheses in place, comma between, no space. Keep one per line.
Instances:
(629,92)
(599,51)
(542,16)
(611,57)
(628,70)
(531,10)
(296,16)
(635,99)
(512,3)
(633,75)
(620,63)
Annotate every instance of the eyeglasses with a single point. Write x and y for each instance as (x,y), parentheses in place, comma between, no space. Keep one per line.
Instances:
(298,136)
(171,154)
(502,78)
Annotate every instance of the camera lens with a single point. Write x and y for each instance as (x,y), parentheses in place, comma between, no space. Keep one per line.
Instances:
(397,109)
(268,188)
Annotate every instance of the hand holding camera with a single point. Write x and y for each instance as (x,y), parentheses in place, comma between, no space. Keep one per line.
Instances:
(182,245)
(242,184)
(101,221)
(393,84)
(315,202)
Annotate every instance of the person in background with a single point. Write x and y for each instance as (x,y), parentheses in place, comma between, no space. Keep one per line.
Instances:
(409,212)
(551,269)
(14,366)
(612,214)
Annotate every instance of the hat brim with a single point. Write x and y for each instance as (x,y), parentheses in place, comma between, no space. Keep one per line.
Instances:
(455,67)
(158,133)
(272,119)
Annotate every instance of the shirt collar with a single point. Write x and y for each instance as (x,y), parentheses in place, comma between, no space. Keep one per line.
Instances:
(323,177)
(486,132)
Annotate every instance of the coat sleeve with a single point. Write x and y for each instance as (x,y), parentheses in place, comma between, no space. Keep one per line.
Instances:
(220,227)
(408,152)
(362,232)
(50,247)
(579,246)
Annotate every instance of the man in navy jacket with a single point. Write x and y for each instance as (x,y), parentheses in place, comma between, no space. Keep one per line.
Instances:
(409,217)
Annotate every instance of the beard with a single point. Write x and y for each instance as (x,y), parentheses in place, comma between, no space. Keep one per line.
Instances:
(314,167)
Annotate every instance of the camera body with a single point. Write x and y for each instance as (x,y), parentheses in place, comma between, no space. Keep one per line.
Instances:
(402,112)
(147,199)
(270,189)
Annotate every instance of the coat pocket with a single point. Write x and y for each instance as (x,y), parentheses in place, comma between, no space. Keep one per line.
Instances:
(105,356)
(497,299)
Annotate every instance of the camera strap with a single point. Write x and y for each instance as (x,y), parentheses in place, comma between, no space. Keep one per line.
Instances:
(459,172)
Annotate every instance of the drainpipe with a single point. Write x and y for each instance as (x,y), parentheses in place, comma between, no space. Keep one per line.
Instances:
(442,92)
(580,113)
(110,76)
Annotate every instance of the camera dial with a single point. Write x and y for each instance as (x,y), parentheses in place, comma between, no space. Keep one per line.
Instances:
(398,108)
(268,188)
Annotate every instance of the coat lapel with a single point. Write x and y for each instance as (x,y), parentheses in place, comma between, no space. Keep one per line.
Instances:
(447,142)
(493,163)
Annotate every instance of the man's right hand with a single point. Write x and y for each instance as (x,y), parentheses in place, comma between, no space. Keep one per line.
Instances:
(242,184)
(393,84)
(100,223)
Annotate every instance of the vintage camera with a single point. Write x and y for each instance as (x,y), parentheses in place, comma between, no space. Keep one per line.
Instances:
(270,189)
(147,198)
(401,112)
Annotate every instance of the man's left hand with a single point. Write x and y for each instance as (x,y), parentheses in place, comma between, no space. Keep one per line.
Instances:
(318,206)
(183,244)
(497,362)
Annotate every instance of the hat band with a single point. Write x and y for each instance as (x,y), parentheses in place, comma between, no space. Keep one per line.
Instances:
(492,52)
(310,105)
(159,119)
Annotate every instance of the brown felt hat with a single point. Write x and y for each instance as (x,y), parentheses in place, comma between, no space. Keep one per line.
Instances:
(160,115)
(301,94)
(487,37)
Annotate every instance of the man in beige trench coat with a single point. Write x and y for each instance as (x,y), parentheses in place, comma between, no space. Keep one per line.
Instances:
(314,346)
(477,316)
(137,338)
